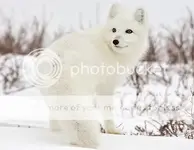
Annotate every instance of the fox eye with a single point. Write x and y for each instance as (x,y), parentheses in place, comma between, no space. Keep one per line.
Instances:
(129,31)
(114,30)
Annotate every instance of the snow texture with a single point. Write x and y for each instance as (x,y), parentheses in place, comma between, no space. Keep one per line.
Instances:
(42,139)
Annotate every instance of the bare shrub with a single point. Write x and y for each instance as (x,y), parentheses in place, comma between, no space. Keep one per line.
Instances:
(27,38)
(180,40)
(171,128)
(14,44)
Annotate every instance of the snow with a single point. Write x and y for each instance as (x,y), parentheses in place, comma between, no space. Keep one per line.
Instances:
(27,110)
(42,139)
(33,134)
(23,109)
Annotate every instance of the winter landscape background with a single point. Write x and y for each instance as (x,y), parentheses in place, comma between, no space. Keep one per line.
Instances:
(153,104)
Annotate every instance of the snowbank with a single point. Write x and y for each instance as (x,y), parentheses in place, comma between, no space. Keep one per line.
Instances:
(42,139)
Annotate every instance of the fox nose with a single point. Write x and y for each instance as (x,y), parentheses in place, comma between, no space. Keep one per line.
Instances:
(115,42)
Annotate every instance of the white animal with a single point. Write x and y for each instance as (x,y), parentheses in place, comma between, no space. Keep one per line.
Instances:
(121,40)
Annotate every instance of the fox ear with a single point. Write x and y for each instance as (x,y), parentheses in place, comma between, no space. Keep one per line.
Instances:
(140,15)
(114,10)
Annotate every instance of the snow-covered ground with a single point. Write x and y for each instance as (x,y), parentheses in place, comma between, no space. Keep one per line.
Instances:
(31,114)
(24,116)
(42,139)
(165,95)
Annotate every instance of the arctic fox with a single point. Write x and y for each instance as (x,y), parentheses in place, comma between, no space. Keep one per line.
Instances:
(121,40)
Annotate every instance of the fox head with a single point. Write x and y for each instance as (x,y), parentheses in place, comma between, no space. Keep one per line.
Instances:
(125,30)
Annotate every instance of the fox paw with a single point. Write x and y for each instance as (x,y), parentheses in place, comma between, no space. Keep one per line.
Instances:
(110,128)
(113,131)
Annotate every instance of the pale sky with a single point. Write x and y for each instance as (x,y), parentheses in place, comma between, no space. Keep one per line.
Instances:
(65,12)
